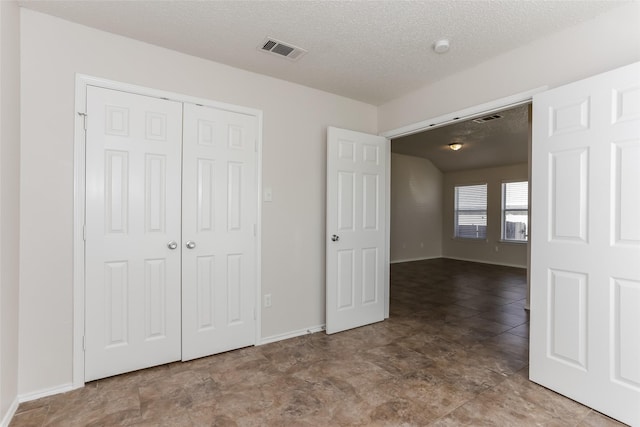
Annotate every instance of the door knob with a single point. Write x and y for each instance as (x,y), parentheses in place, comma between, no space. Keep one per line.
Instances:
(172,245)
(190,244)
(335,238)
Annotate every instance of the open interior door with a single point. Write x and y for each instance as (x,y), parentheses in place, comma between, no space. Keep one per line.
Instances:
(585,278)
(357,264)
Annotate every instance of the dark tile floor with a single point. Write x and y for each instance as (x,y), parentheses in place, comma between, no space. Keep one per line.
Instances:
(454,352)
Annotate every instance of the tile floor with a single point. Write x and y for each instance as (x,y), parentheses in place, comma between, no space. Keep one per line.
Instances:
(454,352)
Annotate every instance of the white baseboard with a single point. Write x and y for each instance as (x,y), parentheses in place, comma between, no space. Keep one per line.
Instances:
(504,264)
(397,261)
(10,413)
(292,334)
(45,392)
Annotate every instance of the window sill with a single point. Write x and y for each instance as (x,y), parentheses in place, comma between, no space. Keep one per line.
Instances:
(469,239)
(514,242)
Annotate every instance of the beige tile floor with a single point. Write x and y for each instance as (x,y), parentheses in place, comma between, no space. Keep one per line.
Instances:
(453,352)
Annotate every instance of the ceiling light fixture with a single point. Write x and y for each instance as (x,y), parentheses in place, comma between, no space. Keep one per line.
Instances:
(441,46)
(455,146)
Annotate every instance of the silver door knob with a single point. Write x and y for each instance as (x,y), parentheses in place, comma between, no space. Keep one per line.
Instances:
(335,238)
(190,244)
(172,245)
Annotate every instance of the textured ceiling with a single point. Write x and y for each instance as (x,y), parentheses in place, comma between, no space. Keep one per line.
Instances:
(372,51)
(491,144)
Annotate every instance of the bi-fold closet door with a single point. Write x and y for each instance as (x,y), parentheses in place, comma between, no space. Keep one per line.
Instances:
(170,250)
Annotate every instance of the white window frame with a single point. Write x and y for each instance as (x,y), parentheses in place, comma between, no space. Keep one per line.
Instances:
(504,211)
(456,211)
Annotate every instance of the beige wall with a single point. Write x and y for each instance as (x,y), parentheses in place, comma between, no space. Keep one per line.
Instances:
(295,122)
(422,213)
(490,250)
(608,41)
(416,209)
(9,203)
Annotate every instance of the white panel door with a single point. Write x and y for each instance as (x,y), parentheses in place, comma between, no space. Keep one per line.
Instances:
(132,213)
(356,229)
(219,220)
(585,293)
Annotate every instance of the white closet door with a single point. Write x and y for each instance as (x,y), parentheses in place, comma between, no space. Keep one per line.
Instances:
(585,266)
(132,214)
(219,219)
(356,230)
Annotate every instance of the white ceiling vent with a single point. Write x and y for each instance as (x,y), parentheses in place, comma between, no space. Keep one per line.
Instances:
(487,118)
(286,50)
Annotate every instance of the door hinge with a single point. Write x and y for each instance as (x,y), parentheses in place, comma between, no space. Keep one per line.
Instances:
(84,233)
(84,343)
(84,118)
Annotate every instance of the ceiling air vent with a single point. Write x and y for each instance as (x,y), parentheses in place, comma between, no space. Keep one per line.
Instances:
(487,118)
(286,50)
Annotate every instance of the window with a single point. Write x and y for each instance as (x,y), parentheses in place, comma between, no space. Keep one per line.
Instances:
(471,211)
(515,211)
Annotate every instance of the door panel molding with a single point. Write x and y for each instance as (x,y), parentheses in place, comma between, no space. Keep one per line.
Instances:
(132,300)
(224,195)
(155,131)
(357,229)
(585,298)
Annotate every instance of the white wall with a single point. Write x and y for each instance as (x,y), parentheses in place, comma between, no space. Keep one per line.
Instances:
(295,121)
(416,209)
(514,254)
(606,42)
(9,204)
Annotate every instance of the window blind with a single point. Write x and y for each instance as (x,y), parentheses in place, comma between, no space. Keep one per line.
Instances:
(515,211)
(471,211)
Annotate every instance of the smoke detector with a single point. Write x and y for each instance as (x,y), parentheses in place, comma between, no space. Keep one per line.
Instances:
(441,46)
(282,49)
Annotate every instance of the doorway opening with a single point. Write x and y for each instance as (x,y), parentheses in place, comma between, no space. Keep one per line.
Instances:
(440,195)
(473,286)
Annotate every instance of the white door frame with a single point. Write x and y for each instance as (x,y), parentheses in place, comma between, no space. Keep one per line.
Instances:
(82,81)
(444,120)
